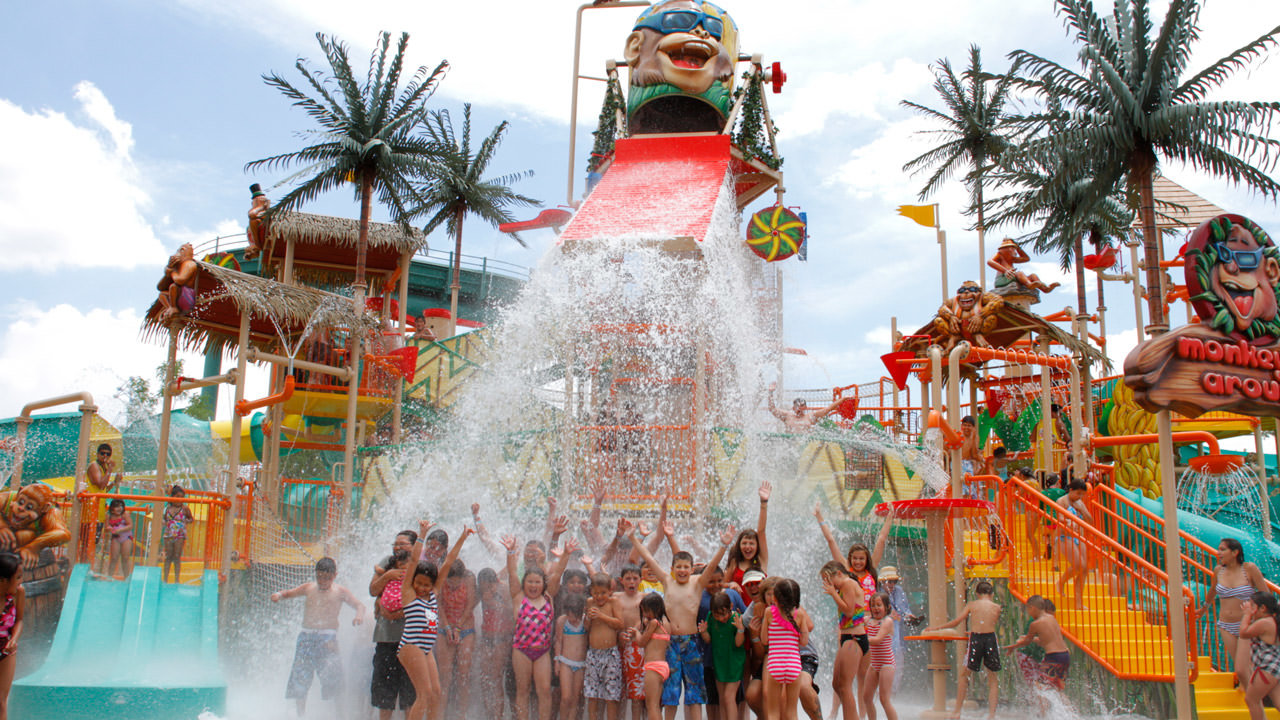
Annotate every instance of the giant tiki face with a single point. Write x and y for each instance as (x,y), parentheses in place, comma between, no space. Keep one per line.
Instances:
(682,55)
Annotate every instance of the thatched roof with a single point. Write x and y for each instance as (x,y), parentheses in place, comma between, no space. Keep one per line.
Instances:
(1012,324)
(1178,207)
(278,312)
(324,247)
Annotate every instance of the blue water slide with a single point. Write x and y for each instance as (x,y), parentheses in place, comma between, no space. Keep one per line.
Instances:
(139,648)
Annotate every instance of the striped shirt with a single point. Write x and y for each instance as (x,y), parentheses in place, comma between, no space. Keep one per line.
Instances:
(420,624)
(881,652)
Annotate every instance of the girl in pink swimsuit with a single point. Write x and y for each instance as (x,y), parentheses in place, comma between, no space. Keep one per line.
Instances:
(786,628)
(13,597)
(120,525)
(534,614)
(654,638)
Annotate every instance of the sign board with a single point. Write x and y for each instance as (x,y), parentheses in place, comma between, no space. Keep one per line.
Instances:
(1230,359)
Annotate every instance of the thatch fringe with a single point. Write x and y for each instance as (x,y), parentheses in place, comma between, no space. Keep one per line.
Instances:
(290,311)
(307,227)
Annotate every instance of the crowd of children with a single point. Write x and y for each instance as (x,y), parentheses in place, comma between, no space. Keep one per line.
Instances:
(622,634)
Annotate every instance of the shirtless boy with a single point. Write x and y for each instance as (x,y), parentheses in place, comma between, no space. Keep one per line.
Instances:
(801,418)
(317,651)
(983,615)
(682,593)
(628,605)
(1045,632)
(603,682)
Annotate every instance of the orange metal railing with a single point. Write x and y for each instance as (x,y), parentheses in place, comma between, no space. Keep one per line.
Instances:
(1124,625)
(204,534)
(1138,527)
(637,461)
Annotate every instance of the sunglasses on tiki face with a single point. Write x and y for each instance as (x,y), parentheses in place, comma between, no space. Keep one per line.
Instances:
(682,21)
(1244,259)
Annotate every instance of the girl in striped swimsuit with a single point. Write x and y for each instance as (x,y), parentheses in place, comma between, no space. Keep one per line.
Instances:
(883,662)
(1258,625)
(786,628)
(534,613)
(1234,582)
(421,623)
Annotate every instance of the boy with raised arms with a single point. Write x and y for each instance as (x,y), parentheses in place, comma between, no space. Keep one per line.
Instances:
(682,592)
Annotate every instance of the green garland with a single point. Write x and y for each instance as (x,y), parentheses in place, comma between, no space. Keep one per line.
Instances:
(751,136)
(607,128)
(1205,260)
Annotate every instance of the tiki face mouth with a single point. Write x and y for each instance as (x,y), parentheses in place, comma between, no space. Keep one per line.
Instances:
(689,61)
(693,54)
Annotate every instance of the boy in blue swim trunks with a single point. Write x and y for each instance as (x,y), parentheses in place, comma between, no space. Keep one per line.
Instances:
(317,650)
(682,593)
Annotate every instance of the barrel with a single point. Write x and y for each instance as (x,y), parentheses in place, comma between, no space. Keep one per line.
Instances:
(45,587)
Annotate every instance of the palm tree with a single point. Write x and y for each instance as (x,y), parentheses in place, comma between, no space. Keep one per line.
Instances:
(1131,106)
(457,186)
(1061,209)
(973,133)
(366,134)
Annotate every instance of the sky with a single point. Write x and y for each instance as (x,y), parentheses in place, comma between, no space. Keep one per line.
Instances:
(125,127)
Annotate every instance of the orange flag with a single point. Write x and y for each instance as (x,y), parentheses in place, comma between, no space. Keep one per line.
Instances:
(922,214)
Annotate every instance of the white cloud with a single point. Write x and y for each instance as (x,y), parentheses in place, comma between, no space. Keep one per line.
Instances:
(863,93)
(70,195)
(50,351)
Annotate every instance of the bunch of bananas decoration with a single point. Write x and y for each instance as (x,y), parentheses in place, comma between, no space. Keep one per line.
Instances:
(1136,465)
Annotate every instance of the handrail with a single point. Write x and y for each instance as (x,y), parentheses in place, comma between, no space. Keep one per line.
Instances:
(1198,570)
(1131,650)
(209,530)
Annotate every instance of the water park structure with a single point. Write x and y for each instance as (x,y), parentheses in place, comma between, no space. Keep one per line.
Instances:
(628,375)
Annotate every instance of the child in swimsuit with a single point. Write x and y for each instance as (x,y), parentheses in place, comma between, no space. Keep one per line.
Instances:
(786,628)
(850,602)
(14,598)
(1258,626)
(654,638)
(497,621)
(176,517)
(571,653)
(533,630)
(883,662)
(454,651)
(422,623)
(120,525)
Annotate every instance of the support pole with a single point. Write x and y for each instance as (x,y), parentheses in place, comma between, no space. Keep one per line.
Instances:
(1173,568)
(1262,479)
(87,411)
(397,410)
(349,440)
(942,248)
(1046,419)
(162,448)
(1137,290)
(957,472)
(233,456)
(935,531)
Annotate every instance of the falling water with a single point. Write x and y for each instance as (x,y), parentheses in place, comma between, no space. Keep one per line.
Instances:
(621,321)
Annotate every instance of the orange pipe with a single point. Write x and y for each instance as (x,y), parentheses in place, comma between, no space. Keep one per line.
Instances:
(1018,356)
(244,407)
(953,438)
(1185,436)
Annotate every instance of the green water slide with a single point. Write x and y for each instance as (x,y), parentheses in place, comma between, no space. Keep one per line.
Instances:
(140,649)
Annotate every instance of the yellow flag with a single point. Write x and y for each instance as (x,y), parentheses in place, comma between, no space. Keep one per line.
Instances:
(922,214)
